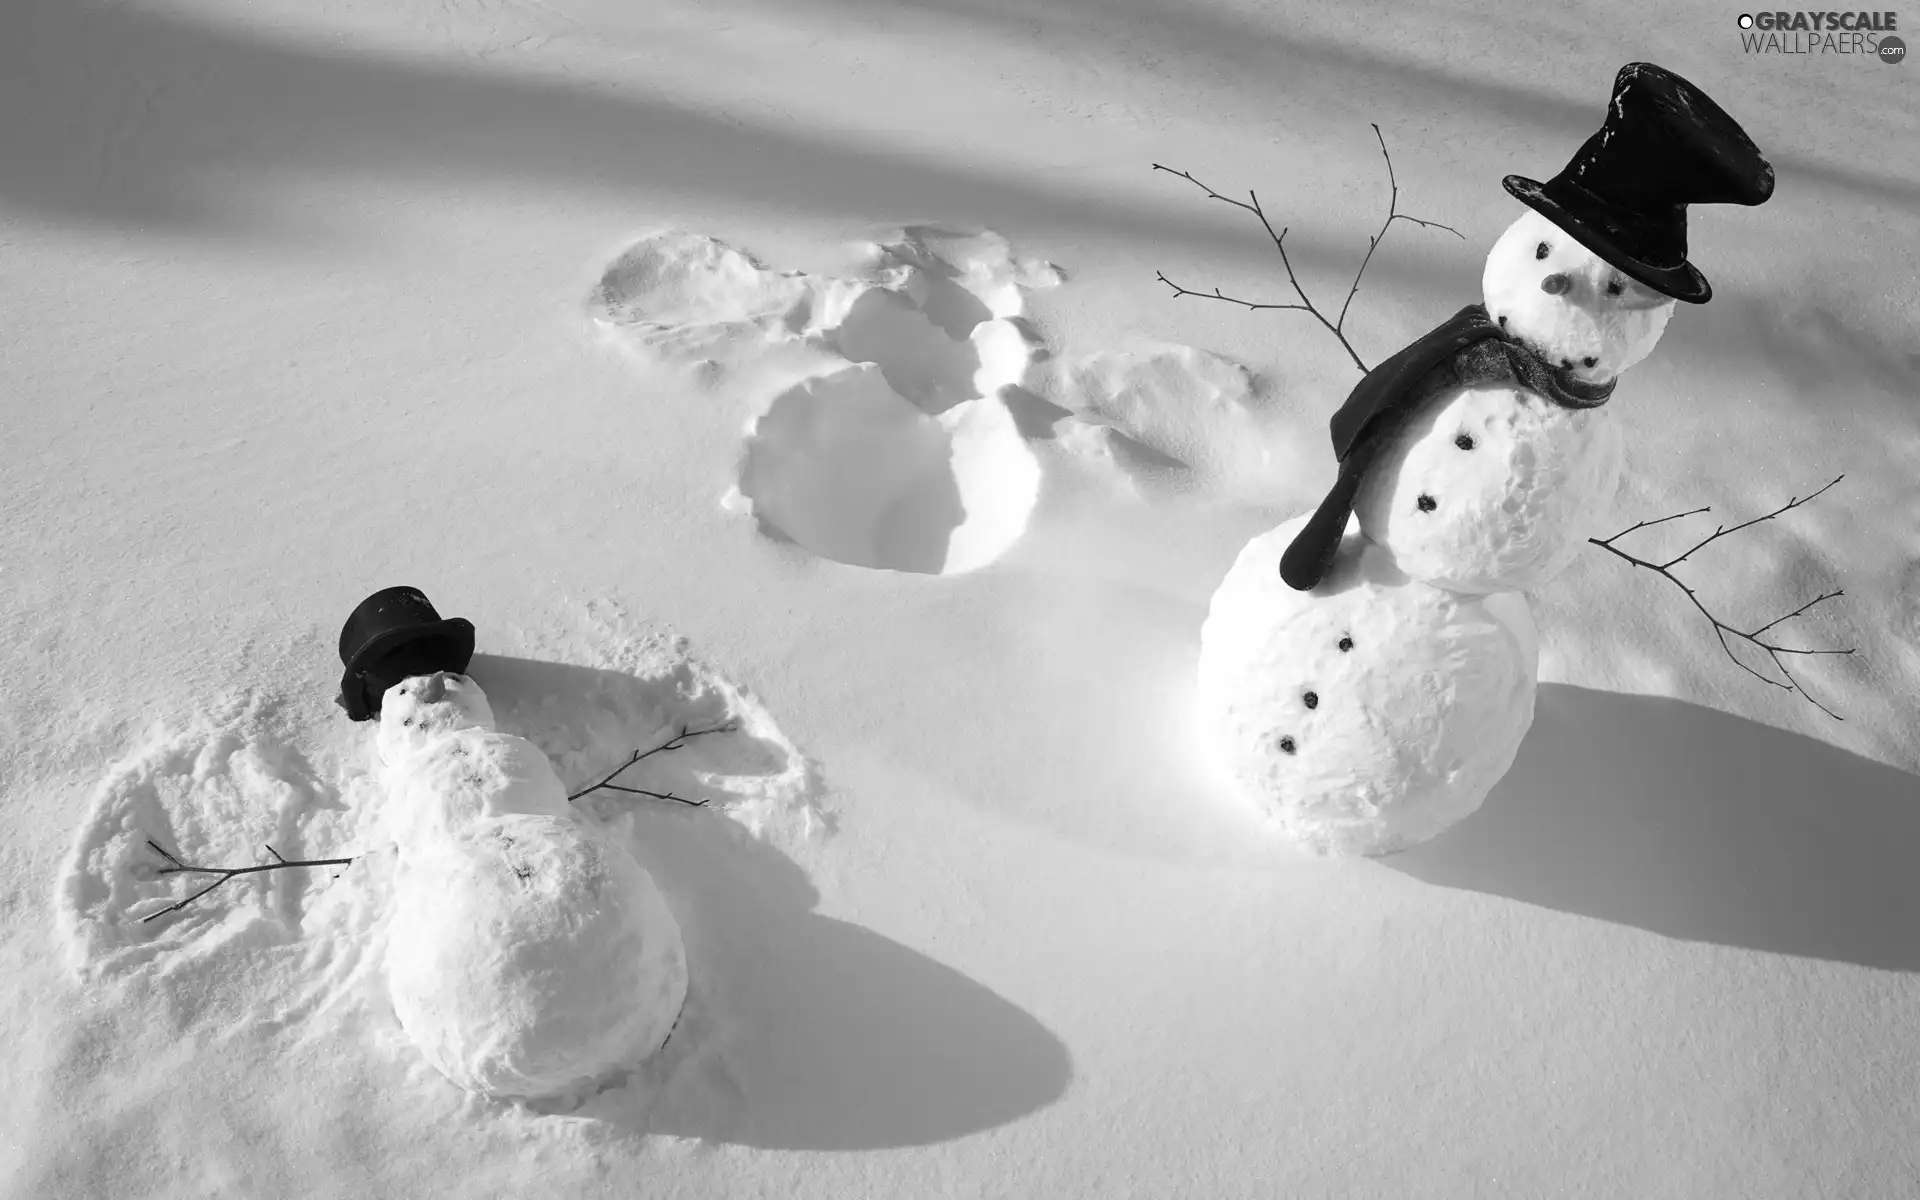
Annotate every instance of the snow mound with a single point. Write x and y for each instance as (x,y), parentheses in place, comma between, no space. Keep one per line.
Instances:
(529,954)
(960,278)
(907,458)
(899,452)
(675,293)
(847,468)
(1177,419)
(1371,713)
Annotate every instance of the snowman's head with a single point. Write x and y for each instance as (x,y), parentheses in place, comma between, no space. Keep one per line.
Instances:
(422,709)
(1572,306)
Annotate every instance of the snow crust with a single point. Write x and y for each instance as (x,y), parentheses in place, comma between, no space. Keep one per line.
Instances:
(1371,713)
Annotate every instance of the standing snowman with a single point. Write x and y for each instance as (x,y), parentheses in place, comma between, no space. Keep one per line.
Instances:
(528,955)
(1371,692)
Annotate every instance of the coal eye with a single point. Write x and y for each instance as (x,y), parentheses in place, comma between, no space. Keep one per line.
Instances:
(1615,288)
(1542,250)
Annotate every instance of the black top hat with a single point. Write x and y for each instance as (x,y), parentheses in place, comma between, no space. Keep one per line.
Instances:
(393,635)
(1624,196)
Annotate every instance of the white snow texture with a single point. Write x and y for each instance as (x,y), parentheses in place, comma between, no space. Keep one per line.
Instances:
(1510,482)
(529,955)
(1380,745)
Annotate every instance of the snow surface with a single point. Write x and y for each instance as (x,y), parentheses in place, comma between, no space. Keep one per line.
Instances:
(304,301)
(1371,713)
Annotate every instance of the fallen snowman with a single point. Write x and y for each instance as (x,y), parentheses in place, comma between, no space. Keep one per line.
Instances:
(528,955)
(1373,691)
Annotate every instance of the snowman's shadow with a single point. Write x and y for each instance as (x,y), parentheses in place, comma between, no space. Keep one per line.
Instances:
(1697,825)
(802,1032)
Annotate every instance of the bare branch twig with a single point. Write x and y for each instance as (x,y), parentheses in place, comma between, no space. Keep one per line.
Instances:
(1337,327)
(176,867)
(1393,214)
(673,743)
(1216,294)
(1720,628)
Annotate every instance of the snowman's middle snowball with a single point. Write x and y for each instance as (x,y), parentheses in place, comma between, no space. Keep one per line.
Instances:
(1491,488)
(1413,721)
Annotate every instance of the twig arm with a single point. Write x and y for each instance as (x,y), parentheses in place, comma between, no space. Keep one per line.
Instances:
(176,867)
(678,740)
(1393,214)
(1337,326)
(1720,628)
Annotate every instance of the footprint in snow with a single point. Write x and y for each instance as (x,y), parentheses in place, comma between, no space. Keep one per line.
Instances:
(907,457)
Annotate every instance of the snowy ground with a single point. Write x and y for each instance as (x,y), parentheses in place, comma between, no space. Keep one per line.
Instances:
(803,364)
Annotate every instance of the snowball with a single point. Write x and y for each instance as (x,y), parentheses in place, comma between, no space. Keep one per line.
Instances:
(529,955)
(1491,488)
(446,766)
(418,712)
(1368,714)
(1591,310)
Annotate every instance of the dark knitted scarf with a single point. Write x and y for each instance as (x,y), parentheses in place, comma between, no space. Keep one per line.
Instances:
(1504,357)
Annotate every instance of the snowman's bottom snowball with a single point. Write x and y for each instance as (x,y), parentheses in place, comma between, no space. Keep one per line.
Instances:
(531,957)
(1380,745)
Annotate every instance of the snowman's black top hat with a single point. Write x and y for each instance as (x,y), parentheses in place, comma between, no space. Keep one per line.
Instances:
(393,635)
(1624,196)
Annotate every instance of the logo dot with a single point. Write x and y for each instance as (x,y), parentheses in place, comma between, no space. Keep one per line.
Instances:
(1892,50)
(1746,20)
